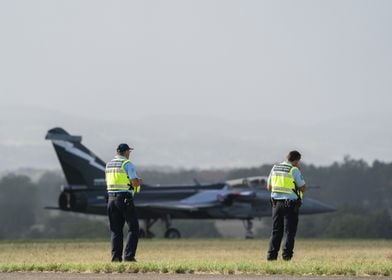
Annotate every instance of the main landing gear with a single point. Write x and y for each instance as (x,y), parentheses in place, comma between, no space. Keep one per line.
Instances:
(248,225)
(170,233)
(145,231)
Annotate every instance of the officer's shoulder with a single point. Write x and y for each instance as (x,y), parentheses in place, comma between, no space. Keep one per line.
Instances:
(130,163)
(127,163)
(296,169)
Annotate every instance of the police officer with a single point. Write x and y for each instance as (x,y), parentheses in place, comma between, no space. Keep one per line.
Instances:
(122,184)
(286,185)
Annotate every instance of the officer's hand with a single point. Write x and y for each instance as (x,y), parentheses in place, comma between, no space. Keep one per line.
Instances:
(136,185)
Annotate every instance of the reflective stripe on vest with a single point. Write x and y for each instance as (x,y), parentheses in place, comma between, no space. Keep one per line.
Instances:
(116,177)
(282,179)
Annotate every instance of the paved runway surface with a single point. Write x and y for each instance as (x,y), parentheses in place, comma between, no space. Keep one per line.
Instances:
(156,276)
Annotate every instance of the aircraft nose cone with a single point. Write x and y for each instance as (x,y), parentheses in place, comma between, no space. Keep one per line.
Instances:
(310,206)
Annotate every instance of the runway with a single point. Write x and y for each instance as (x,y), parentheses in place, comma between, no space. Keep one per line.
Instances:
(157,276)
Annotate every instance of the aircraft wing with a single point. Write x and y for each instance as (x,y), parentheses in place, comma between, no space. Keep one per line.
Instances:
(200,201)
(175,205)
(52,208)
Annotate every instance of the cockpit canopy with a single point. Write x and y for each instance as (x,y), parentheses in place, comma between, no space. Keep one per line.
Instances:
(258,182)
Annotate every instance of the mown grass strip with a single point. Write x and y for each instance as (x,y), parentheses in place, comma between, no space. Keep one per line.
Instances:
(262,269)
(312,257)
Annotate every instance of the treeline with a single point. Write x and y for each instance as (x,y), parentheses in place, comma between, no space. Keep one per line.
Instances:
(359,191)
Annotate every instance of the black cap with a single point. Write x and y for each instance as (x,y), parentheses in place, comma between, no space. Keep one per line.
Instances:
(123,147)
(293,155)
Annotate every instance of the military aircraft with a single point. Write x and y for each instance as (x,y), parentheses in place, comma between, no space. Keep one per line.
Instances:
(243,199)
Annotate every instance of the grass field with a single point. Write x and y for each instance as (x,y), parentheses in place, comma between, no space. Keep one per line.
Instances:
(228,256)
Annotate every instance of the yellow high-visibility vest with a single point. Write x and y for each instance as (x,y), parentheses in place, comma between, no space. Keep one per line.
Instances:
(116,177)
(282,179)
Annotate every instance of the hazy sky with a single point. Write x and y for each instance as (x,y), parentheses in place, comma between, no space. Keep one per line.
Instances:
(197,83)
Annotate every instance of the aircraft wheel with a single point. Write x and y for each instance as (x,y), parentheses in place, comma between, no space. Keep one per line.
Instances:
(149,234)
(144,234)
(172,233)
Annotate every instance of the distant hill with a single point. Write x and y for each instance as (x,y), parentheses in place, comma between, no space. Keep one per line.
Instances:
(182,141)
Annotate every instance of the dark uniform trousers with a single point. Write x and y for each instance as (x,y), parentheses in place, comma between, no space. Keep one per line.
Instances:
(284,220)
(121,209)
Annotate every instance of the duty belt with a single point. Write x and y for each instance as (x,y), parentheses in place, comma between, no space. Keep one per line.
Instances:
(119,194)
(286,202)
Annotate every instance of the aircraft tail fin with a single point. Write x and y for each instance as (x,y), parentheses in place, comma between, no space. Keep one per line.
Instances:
(80,166)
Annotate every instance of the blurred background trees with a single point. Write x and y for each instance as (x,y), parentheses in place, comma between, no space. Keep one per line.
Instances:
(360,192)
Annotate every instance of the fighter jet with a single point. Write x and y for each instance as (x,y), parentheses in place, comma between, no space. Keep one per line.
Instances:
(85,192)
